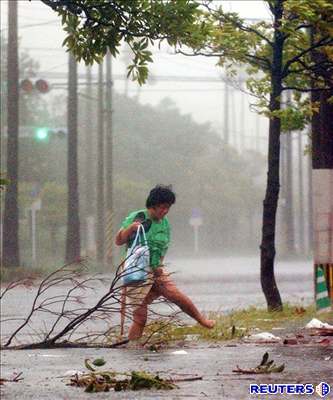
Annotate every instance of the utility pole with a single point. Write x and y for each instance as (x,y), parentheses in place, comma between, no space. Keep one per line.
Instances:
(11,255)
(242,123)
(310,202)
(100,230)
(287,211)
(301,195)
(286,195)
(257,132)
(289,217)
(126,57)
(109,161)
(226,111)
(90,242)
(233,122)
(73,243)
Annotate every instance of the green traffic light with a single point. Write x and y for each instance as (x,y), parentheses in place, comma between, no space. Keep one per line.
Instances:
(42,133)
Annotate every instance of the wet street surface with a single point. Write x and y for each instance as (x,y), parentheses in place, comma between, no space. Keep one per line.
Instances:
(44,370)
(220,284)
(214,285)
(223,284)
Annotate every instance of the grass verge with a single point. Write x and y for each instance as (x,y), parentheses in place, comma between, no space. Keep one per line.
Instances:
(235,325)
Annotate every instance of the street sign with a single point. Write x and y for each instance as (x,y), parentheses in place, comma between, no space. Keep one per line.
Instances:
(196,217)
(37,204)
(196,221)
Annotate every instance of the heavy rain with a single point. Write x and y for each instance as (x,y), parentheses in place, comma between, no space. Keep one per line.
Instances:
(224,105)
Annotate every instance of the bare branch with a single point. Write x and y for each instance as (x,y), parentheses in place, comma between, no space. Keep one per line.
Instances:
(60,308)
(306,90)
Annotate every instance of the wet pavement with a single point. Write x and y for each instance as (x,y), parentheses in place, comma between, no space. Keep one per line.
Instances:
(43,370)
(214,285)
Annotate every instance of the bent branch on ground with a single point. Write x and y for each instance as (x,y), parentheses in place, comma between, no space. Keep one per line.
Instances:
(67,311)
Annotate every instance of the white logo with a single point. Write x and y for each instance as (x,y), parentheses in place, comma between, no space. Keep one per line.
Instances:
(323,389)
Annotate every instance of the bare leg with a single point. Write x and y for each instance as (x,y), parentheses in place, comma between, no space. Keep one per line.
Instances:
(140,315)
(166,288)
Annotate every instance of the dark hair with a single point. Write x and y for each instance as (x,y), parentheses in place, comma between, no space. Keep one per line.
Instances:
(161,194)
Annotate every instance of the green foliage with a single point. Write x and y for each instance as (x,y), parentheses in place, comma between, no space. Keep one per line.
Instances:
(8,275)
(103,381)
(236,42)
(99,362)
(42,161)
(144,380)
(3,182)
(236,324)
(291,118)
(93,28)
(51,214)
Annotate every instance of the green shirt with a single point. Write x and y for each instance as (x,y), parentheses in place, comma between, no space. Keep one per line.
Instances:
(158,236)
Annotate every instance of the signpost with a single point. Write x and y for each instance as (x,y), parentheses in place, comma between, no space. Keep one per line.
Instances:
(35,206)
(196,221)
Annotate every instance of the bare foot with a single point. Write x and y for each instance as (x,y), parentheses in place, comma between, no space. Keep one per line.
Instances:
(208,323)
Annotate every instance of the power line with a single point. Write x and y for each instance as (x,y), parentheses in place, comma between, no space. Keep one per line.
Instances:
(155,79)
(34,25)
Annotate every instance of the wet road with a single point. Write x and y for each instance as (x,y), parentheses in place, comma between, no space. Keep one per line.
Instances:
(44,371)
(213,284)
(224,284)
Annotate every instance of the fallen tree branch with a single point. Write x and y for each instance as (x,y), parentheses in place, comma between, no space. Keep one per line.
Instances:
(265,367)
(66,345)
(16,378)
(58,295)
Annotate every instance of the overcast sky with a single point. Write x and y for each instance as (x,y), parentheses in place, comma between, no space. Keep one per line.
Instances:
(41,35)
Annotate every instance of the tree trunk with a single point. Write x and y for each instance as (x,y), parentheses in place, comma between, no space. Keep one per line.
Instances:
(267,246)
(322,132)
(89,186)
(73,246)
(321,124)
(11,256)
(53,232)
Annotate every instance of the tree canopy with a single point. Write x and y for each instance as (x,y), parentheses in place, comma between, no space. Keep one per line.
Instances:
(93,28)
(236,42)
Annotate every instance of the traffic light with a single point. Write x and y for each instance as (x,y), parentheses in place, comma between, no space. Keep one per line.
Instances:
(26,85)
(41,85)
(42,134)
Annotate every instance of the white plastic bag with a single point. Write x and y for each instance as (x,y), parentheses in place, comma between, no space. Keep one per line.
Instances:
(137,260)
